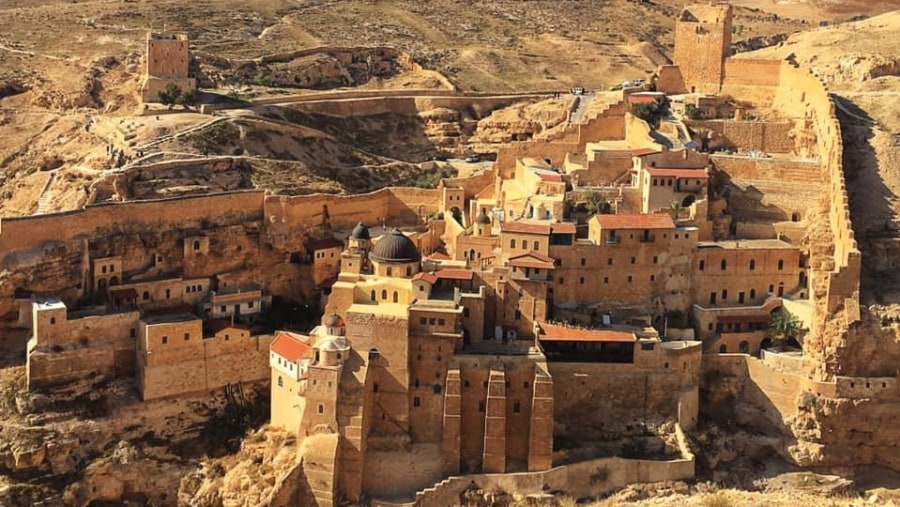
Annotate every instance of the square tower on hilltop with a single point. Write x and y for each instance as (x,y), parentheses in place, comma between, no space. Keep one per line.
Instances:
(168,62)
(702,43)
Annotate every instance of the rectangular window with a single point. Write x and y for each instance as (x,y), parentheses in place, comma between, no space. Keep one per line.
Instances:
(250,304)
(629,278)
(432,321)
(561,280)
(187,336)
(605,279)
(423,321)
(633,260)
(441,322)
(609,261)
(652,278)
(583,260)
(165,340)
(417,402)
(655,259)
(581,280)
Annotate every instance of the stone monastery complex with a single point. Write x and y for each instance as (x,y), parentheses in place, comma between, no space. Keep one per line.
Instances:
(474,332)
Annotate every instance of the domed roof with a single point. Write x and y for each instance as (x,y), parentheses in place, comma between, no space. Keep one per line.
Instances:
(360,232)
(483,219)
(333,343)
(334,320)
(395,247)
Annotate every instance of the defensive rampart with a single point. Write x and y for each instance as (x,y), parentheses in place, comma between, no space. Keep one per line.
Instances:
(222,362)
(584,479)
(21,233)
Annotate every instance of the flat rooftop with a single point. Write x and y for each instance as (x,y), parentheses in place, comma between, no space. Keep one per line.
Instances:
(748,244)
(169,318)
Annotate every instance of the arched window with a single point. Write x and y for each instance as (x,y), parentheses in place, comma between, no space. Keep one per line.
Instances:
(512,243)
(752,293)
(752,264)
(396,297)
(383,295)
(537,245)
(723,349)
(389,271)
(702,265)
(374,354)
(373,295)
(146,296)
(744,347)
(408,271)
(780,264)
(196,245)
(795,217)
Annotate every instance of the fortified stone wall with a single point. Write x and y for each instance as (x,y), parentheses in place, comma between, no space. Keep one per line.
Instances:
(765,136)
(595,400)
(214,365)
(585,479)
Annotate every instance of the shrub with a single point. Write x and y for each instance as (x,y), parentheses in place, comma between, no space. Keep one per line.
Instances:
(692,112)
(170,95)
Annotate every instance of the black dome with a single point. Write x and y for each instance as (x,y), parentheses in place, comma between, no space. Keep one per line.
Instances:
(483,219)
(360,232)
(395,247)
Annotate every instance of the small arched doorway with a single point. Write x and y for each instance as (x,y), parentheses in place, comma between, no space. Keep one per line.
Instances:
(744,347)
(687,201)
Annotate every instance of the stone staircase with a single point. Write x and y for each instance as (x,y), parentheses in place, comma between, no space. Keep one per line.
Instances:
(46,194)
(438,488)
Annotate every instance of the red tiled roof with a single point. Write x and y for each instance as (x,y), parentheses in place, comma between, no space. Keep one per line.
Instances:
(429,278)
(641,99)
(123,293)
(640,152)
(555,178)
(635,221)
(699,174)
(324,243)
(533,260)
(527,227)
(454,274)
(439,256)
(554,333)
(563,228)
(289,347)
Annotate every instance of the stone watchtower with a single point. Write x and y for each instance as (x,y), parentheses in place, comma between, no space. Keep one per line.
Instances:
(702,43)
(168,60)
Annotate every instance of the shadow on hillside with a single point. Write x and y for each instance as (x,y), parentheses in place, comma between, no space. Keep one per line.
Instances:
(874,221)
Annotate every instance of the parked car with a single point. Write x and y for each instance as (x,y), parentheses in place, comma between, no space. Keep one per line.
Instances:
(473,158)
(578,90)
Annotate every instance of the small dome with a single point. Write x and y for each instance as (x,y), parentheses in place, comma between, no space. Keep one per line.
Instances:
(395,247)
(360,232)
(333,344)
(334,320)
(483,219)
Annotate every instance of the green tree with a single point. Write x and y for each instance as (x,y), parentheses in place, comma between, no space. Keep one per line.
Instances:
(188,99)
(169,96)
(650,112)
(692,112)
(674,209)
(595,203)
(784,325)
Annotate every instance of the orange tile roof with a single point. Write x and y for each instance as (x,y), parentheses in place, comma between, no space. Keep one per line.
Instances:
(555,333)
(563,228)
(439,256)
(635,221)
(554,178)
(641,99)
(699,174)
(640,152)
(429,278)
(289,347)
(533,260)
(527,227)
(454,274)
